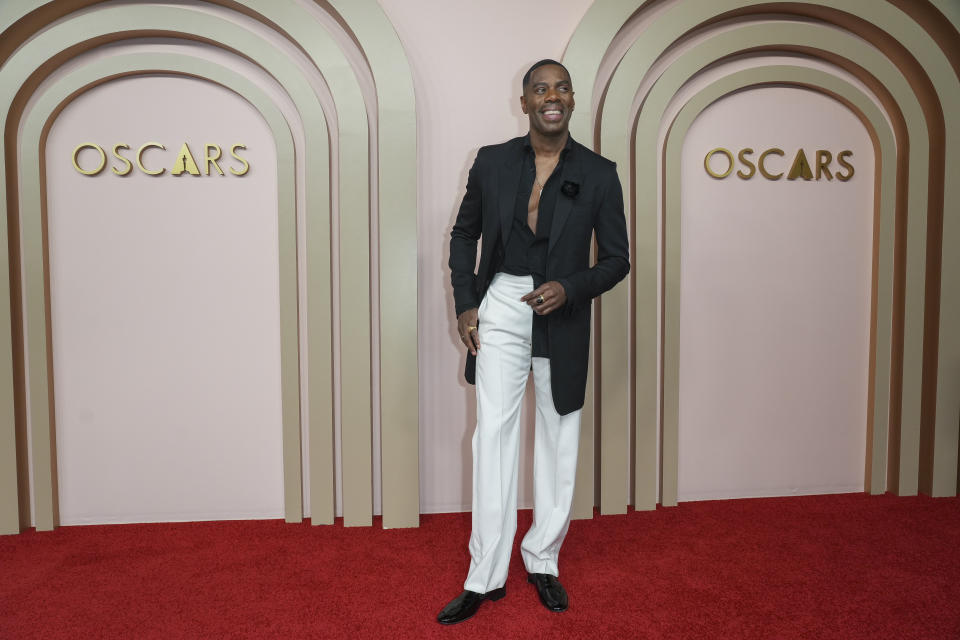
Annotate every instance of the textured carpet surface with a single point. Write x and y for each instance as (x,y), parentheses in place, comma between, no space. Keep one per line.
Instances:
(847,566)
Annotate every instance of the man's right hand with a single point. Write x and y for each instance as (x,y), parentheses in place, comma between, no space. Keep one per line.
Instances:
(467,326)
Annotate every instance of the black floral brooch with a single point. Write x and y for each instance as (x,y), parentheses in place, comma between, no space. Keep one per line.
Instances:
(570,189)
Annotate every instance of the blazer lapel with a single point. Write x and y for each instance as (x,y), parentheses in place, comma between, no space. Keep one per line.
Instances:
(561,212)
(509,182)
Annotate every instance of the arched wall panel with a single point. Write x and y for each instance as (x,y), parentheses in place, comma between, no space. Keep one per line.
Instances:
(717,48)
(164,299)
(776,283)
(114,26)
(906,52)
(667,22)
(117,22)
(616,107)
(883,218)
(36,263)
(36,291)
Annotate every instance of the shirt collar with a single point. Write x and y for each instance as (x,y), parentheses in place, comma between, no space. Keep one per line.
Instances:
(529,147)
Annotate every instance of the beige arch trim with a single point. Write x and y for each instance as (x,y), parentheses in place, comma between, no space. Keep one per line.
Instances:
(400,432)
(814,39)
(399,391)
(884,222)
(676,21)
(582,58)
(36,294)
(397,179)
(356,440)
(947,34)
(950,9)
(940,452)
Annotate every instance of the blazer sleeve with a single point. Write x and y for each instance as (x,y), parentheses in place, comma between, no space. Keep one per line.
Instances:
(613,246)
(463,243)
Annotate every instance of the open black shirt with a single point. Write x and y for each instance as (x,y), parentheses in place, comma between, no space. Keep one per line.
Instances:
(525,252)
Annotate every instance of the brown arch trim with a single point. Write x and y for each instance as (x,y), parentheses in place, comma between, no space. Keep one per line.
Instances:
(21,30)
(940,29)
(946,36)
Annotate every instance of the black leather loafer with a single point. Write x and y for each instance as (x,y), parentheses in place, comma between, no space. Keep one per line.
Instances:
(466,604)
(551,592)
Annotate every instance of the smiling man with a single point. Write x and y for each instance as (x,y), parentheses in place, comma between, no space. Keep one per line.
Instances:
(535,202)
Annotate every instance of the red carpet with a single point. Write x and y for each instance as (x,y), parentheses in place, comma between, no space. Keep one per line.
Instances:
(850,566)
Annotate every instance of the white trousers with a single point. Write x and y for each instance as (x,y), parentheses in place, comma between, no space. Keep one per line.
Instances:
(503,362)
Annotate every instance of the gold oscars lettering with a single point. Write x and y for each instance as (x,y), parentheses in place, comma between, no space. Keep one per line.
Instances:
(720,163)
(149,158)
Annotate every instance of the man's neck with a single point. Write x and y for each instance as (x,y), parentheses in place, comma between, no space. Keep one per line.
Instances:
(548,145)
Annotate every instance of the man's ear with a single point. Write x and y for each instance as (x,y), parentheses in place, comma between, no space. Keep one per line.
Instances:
(523,104)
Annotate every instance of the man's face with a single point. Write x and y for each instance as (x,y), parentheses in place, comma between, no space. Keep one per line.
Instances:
(548,100)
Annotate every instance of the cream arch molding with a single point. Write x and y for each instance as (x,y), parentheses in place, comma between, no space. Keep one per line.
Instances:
(584,57)
(395,152)
(396,178)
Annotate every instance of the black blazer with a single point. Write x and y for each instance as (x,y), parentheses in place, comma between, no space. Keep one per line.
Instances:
(487,212)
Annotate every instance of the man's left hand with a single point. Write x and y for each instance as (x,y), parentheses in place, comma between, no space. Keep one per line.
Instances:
(546,298)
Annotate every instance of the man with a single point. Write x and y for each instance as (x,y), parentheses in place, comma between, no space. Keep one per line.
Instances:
(535,202)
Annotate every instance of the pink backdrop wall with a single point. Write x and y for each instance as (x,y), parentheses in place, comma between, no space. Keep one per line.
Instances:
(467,60)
